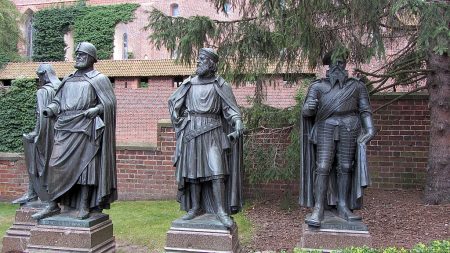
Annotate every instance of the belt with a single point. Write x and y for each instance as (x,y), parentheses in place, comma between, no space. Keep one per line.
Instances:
(191,134)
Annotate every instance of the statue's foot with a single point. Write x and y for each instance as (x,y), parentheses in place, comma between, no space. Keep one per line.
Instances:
(315,218)
(191,214)
(83,213)
(347,214)
(25,199)
(46,212)
(225,219)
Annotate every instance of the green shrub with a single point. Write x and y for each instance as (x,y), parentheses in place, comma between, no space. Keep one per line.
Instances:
(17,114)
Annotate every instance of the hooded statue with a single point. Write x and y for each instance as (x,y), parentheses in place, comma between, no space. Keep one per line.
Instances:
(82,167)
(208,155)
(38,144)
(336,126)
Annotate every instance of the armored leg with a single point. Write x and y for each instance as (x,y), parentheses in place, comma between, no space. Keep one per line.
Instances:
(219,196)
(346,149)
(195,190)
(83,212)
(320,192)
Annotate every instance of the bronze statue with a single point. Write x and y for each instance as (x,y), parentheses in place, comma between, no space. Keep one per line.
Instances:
(208,155)
(82,167)
(38,143)
(336,126)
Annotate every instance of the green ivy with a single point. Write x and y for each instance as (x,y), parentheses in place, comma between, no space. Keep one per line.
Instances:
(265,163)
(95,24)
(17,115)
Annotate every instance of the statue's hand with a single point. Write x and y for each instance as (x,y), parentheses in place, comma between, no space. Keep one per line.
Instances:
(91,112)
(30,136)
(239,127)
(365,138)
(47,113)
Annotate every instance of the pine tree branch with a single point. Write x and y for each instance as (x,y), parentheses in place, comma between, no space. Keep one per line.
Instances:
(399,97)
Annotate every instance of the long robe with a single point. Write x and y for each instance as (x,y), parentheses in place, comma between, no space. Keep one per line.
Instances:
(38,150)
(232,151)
(84,149)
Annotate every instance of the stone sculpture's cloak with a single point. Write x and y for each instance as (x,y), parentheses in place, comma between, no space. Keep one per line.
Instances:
(234,155)
(38,150)
(105,191)
(360,176)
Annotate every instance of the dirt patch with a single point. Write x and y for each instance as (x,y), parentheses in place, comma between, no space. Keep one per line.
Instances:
(394,218)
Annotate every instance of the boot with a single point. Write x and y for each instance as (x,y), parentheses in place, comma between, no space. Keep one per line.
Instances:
(83,212)
(219,197)
(51,209)
(195,199)
(343,192)
(29,196)
(320,191)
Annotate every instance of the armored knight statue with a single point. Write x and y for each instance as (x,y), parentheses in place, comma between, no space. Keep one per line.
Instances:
(82,166)
(336,126)
(208,155)
(38,143)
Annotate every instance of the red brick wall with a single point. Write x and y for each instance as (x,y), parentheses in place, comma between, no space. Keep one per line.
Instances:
(13,176)
(397,158)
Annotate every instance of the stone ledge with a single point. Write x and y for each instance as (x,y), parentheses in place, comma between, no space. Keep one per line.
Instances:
(164,123)
(136,147)
(11,156)
(392,95)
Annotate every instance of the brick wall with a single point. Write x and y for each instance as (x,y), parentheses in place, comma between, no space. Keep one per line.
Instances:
(397,157)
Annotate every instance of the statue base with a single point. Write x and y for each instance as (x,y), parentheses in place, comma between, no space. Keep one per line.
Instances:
(202,234)
(18,235)
(335,233)
(64,233)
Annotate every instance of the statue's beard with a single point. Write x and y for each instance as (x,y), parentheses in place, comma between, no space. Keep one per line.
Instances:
(337,74)
(204,71)
(82,64)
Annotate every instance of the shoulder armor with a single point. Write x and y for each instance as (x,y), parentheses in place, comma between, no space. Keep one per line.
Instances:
(321,84)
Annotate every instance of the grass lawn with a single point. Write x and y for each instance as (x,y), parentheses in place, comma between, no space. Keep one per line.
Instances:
(146,222)
(142,223)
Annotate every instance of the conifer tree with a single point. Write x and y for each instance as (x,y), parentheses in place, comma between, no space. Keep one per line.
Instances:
(291,33)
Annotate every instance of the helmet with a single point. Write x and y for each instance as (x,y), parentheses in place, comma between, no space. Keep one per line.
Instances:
(87,48)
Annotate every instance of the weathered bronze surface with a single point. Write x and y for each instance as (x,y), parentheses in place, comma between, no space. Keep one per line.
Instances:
(336,126)
(38,143)
(82,167)
(208,156)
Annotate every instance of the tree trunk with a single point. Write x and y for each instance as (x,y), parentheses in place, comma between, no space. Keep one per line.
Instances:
(437,189)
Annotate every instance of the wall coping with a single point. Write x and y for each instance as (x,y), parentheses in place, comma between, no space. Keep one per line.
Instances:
(164,123)
(132,146)
(11,156)
(392,95)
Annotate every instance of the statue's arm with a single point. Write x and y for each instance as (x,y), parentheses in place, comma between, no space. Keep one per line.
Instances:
(365,111)
(54,108)
(311,102)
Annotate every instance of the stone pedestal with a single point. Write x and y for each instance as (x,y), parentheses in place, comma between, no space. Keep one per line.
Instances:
(202,234)
(18,235)
(64,233)
(335,233)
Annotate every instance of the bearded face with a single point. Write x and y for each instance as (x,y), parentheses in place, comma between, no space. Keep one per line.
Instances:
(337,73)
(204,66)
(83,61)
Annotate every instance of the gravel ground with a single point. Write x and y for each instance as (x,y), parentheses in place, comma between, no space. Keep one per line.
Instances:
(394,218)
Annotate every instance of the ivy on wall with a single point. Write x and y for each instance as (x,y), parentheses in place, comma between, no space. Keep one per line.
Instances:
(95,24)
(17,115)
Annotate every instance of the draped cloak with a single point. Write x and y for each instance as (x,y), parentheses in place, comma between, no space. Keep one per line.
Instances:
(233,154)
(38,150)
(65,170)
(360,177)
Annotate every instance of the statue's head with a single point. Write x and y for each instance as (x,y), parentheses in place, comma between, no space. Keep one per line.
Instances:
(46,74)
(207,62)
(86,55)
(337,61)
